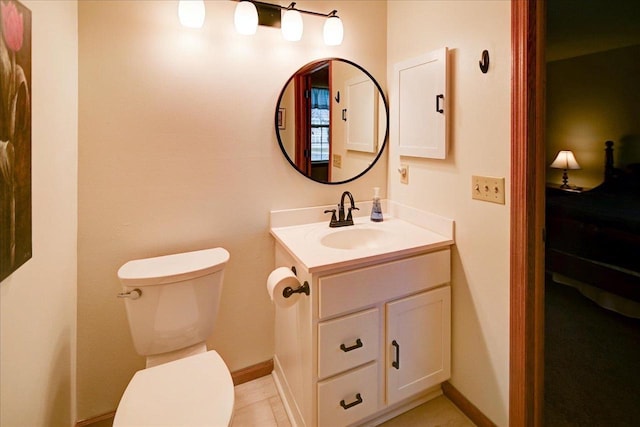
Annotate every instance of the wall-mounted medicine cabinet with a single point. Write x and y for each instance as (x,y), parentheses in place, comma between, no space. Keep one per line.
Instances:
(422,105)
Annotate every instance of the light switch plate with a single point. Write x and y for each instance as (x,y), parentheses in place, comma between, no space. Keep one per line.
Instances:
(403,170)
(488,189)
(337,161)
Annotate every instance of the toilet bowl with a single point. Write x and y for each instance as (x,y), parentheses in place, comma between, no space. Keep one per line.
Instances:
(172,303)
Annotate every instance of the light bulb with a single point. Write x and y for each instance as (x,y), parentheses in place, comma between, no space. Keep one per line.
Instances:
(191,13)
(292,25)
(246,18)
(333,31)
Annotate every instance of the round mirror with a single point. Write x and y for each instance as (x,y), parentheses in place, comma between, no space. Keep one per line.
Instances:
(332,121)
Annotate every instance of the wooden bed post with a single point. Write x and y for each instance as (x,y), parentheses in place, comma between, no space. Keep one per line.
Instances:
(608,161)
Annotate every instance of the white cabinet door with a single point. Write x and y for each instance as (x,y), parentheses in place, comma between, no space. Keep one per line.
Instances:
(421,105)
(418,343)
(362,115)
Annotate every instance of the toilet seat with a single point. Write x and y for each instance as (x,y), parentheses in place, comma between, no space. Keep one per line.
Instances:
(193,391)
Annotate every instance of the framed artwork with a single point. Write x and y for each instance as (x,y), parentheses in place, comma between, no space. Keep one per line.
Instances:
(282,122)
(15,136)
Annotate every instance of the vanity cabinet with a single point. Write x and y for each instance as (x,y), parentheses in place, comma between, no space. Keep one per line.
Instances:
(369,342)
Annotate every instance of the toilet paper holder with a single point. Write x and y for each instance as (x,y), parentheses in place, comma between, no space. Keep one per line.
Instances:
(302,289)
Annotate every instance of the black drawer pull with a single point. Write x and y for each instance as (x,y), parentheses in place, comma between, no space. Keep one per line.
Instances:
(346,405)
(346,349)
(396,363)
(439,109)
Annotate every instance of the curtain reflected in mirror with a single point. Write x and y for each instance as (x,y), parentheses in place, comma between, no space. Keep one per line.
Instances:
(332,121)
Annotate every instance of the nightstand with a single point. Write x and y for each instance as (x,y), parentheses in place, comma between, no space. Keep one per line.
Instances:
(554,189)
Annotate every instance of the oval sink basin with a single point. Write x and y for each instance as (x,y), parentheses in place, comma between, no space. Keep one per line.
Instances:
(355,238)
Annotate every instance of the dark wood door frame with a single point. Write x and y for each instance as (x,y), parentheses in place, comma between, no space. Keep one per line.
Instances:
(526,370)
(302,117)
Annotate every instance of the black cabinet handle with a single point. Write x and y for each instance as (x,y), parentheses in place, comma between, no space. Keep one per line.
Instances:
(439,109)
(346,405)
(396,363)
(346,349)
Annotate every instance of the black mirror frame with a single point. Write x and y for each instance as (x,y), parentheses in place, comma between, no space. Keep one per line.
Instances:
(386,132)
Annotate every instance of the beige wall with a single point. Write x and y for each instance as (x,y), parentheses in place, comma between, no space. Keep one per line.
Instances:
(479,145)
(177,151)
(38,301)
(592,99)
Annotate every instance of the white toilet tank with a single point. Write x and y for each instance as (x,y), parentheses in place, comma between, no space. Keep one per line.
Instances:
(179,299)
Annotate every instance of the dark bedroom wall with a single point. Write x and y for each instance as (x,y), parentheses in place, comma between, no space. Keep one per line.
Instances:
(591,99)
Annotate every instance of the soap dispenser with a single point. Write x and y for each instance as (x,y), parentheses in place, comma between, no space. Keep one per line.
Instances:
(376,208)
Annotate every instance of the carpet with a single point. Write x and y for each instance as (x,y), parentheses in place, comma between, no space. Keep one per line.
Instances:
(592,362)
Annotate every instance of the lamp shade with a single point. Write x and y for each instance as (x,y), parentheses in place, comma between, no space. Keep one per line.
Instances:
(333,31)
(565,160)
(191,13)
(246,18)
(291,25)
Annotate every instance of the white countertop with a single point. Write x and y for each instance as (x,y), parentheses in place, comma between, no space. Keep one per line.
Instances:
(402,238)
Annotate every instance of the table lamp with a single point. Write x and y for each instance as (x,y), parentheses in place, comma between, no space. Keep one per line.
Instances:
(565,160)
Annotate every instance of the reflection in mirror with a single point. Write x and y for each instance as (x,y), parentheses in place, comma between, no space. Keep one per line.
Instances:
(332,121)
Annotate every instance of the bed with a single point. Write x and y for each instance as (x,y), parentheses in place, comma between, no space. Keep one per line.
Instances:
(593,237)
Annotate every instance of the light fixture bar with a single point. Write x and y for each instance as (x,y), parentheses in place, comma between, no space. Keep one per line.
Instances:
(272,15)
(292,6)
(269,15)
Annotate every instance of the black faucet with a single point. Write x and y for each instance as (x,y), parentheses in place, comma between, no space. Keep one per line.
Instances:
(341,221)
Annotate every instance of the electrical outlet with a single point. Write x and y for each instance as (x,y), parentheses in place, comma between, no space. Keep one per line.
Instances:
(337,161)
(403,170)
(488,189)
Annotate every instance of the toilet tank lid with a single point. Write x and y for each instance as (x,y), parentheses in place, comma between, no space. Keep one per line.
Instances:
(173,268)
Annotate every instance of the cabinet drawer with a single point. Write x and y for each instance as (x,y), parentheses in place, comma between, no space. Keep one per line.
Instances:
(347,342)
(351,290)
(348,398)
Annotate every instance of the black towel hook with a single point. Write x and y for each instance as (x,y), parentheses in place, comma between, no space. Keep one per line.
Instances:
(484,63)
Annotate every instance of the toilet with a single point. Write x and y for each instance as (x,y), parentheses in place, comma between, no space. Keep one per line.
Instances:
(172,302)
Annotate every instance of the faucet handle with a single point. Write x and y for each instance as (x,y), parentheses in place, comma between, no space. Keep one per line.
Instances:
(333,215)
(349,216)
(334,221)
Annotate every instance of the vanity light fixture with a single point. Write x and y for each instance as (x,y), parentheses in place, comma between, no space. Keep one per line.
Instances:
(191,13)
(251,13)
(565,160)
(246,18)
(289,19)
(333,30)
(291,24)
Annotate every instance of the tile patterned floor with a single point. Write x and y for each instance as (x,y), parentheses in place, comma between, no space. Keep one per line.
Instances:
(258,404)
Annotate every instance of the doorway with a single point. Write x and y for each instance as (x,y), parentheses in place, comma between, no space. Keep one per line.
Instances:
(526,354)
(527,214)
(313,121)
